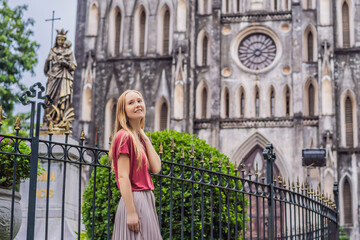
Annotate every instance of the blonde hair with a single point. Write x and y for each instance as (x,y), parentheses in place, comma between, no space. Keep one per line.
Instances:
(121,122)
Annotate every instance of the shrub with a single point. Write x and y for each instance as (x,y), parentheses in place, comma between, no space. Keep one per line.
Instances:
(10,146)
(183,141)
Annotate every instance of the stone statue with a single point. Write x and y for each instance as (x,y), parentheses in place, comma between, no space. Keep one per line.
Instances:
(59,68)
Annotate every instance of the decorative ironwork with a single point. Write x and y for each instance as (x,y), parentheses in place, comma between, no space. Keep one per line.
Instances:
(257,51)
(274,209)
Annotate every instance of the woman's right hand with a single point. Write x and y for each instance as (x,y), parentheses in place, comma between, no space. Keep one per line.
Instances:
(132,222)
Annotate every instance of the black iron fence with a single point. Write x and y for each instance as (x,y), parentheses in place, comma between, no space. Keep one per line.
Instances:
(197,197)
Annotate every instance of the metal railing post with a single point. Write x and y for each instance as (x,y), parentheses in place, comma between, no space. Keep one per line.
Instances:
(336,200)
(270,157)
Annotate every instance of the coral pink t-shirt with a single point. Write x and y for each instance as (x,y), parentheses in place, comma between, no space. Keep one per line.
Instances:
(139,179)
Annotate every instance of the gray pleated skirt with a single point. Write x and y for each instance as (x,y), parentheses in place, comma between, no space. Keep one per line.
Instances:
(149,225)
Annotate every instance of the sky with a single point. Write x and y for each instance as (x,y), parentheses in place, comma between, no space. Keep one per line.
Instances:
(40,10)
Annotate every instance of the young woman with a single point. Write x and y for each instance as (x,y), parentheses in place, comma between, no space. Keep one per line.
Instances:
(133,157)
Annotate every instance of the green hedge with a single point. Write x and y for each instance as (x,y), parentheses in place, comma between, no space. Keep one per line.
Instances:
(182,141)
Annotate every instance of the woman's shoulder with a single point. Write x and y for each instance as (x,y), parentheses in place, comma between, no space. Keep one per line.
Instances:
(122,135)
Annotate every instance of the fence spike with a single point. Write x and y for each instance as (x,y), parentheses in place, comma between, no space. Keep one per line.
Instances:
(202,158)
(67,128)
(242,167)
(274,180)
(256,170)
(17,123)
(227,164)
(210,159)
(172,145)
(284,184)
(249,173)
(161,149)
(2,117)
(50,129)
(297,183)
(192,152)
(302,187)
(280,179)
(82,135)
(182,153)
(219,163)
(293,186)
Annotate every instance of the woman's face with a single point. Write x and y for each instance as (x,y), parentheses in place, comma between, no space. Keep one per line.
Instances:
(134,106)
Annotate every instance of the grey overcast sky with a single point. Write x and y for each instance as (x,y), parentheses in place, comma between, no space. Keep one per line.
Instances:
(39,10)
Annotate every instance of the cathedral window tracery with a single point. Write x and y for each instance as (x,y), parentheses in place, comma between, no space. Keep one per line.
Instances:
(205,51)
(257,51)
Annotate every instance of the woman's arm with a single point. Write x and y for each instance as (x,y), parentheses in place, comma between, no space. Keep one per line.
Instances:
(123,169)
(154,160)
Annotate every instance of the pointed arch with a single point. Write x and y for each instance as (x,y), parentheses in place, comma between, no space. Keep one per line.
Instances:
(311,98)
(310,44)
(272,103)
(257,101)
(203,48)
(287,101)
(241,101)
(181,16)
(346,200)
(164,30)
(140,30)
(110,114)
(226,103)
(179,101)
(115,31)
(162,112)
(202,100)
(257,139)
(345,31)
(326,96)
(348,111)
(345,24)
(93,21)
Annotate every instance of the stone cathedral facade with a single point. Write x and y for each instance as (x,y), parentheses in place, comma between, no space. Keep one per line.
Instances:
(237,73)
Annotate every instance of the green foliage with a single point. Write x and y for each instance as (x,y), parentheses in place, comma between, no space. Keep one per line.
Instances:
(182,141)
(8,125)
(10,145)
(17,53)
(186,141)
(101,202)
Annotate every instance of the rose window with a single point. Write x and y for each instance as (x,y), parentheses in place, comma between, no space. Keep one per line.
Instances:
(257,51)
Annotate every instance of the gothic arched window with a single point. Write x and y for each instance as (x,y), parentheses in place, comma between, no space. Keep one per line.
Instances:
(311,100)
(276,7)
(347,203)
(142,32)
(204,103)
(238,2)
(242,103)
(227,103)
(166,32)
(257,103)
(204,51)
(287,102)
(272,103)
(93,20)
(163,116)
(117,32)
(349,123)
(310,47)
(345,25)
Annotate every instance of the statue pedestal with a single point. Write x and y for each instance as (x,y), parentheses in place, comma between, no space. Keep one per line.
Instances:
(60,199)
